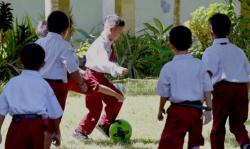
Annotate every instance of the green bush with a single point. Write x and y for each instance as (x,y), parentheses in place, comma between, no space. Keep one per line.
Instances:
(20,34)
(200,28)
(144,55)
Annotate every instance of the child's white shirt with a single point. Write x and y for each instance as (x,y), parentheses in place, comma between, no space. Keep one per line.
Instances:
(226,62)
(98,57)
(29,93)
(184,79)
(60,57)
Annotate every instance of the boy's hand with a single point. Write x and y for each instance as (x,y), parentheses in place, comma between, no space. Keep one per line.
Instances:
(160,114)
(120,97)
(124,71)
(208,117)
(56,139)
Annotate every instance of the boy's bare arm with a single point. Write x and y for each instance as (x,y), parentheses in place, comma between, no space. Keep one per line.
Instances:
(1,123)
(57,136)
(208,100)
(162,111)
(207,114)
(108,91)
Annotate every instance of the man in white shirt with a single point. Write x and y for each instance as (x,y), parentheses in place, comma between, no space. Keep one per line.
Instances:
(60,57)
(186,84)
(229,69)
(100,61)
(29,99)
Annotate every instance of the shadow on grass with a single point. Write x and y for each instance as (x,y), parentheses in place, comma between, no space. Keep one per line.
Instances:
(129,144)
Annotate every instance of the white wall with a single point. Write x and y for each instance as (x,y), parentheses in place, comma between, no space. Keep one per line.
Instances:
(86,13)
(32,8)
(146,10)
(89,13)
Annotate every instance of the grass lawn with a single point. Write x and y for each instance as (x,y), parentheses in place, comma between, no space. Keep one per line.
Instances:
(140,111)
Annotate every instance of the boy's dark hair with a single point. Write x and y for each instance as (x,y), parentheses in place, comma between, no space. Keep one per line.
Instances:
(57,22)
(220,24)
(180,37)
(32,56)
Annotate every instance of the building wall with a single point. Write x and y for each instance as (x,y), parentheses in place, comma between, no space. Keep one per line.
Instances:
(146,10)
(89,13)
(86,13)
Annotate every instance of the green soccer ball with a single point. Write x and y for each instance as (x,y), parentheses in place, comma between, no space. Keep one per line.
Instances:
(120,131)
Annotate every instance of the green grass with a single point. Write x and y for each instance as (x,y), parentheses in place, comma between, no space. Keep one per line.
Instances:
(135,87)
(140,111)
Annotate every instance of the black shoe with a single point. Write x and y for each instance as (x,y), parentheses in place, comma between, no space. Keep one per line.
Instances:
(245,146)
(103,130)
(80,136)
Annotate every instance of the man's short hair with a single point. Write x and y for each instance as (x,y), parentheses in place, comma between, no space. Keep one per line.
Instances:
(114,21)
(180,37)
(32,56)
(57,22)
(220,24)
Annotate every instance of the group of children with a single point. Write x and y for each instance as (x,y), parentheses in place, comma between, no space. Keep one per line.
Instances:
(36,98)
(187,82)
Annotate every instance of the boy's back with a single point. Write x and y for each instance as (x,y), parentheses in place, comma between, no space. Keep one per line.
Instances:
(29,99)
(226,62)
(59,56)
(229,69)
(28,93)
(186,76)
(185,82)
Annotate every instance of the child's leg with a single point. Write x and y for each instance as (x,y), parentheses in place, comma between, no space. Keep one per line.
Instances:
(94,105)
(25,134)
(195,138)
(221,105)
(177,124)
(16,136)
(37,133)
(239,114)
(112,107)
(61,91)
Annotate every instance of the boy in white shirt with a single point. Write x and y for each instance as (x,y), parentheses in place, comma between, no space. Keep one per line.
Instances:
(29,99)
(100,61)
(186,84)
(229,69)
(60,58)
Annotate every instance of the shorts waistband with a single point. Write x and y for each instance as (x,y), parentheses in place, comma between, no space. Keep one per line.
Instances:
(54,80)
(193,104)
(18,117)
(230,83)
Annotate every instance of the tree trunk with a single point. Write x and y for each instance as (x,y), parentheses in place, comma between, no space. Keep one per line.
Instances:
(245,11)
(52,5)
(126,9)
(177,4)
